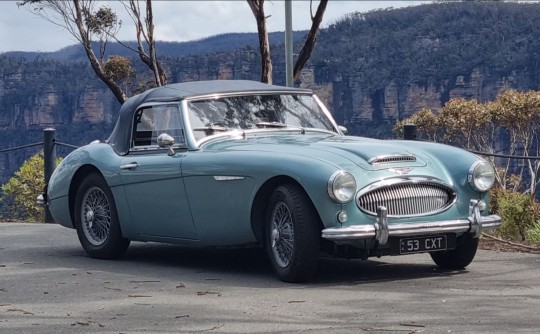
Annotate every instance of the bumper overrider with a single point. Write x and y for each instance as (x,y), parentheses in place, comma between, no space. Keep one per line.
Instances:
(475,224)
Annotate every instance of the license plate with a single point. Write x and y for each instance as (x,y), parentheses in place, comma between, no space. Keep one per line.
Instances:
(422,244)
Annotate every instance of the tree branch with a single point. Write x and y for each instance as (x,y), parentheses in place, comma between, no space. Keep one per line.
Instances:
(309,45)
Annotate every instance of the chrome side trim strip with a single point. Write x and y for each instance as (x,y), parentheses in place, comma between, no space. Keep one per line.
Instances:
(227,178)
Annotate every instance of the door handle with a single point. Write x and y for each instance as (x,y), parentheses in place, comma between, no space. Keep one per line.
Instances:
(130,166)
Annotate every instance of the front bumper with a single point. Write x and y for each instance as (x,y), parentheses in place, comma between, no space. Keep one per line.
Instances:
(381,230)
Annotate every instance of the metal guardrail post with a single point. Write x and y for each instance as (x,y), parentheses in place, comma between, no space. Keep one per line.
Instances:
(49,163)
(409,132)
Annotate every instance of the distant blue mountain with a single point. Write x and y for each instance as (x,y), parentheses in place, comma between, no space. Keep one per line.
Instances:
(210,44)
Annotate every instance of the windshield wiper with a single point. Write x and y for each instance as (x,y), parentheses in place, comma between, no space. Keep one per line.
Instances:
(210,129)
(271,125)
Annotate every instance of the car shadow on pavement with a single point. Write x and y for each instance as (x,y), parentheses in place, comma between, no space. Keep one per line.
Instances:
(234,266)
(386,269)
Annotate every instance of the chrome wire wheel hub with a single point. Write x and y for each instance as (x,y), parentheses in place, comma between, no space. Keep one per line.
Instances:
(282,235)
(95,216)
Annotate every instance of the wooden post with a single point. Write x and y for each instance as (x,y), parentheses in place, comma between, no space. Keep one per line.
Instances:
(409,132)
(49,163)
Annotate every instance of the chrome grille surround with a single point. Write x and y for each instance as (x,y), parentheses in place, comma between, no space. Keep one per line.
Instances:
(407,197)
(389,159)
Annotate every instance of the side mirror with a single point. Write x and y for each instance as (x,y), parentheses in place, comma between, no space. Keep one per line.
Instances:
(343,129)
(165,140)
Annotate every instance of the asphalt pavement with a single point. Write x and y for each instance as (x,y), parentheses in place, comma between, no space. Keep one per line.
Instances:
(49,285)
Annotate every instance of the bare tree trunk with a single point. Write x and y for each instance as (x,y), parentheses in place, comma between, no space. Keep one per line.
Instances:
(309,45)
(257,7)
(159,74)
(78,18)
(150,59)
(94,62)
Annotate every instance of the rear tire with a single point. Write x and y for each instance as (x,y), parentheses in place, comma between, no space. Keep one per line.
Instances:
(292,234)
(460,257)
(96,219)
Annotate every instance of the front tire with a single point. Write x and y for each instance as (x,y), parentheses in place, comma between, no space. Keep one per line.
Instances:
(96,219)
(460,257)
(292,234)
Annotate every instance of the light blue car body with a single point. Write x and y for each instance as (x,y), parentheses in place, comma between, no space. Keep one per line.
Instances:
(214,192)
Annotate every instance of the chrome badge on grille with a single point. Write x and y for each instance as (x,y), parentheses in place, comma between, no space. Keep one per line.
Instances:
(400,171)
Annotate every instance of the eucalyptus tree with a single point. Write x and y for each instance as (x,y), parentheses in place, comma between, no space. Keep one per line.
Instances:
(257,7)
(89,25)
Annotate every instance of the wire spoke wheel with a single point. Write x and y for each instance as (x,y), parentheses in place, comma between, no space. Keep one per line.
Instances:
(292,233)
(96,216)
(282,235)
(96,219)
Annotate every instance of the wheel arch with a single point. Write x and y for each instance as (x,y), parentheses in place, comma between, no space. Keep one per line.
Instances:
(260,202)
(76,180)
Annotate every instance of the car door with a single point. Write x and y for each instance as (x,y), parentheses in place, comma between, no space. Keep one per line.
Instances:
(153,180)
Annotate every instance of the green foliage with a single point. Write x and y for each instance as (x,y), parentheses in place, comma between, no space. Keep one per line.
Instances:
(426,121)
(20,192)
(119,69)
(103,21)
(534,233)
(514,117)
(519,212)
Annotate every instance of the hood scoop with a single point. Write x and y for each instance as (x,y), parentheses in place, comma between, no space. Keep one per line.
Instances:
(390,159)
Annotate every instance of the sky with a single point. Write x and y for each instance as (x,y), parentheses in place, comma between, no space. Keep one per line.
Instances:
(180,21)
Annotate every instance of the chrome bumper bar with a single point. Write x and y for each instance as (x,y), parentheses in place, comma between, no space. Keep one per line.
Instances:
(381,230)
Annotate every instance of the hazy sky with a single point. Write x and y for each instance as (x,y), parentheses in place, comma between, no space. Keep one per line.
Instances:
(20,30)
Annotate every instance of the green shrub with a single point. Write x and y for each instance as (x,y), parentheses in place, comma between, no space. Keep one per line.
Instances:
(20,192)
(519,212)
(533,234)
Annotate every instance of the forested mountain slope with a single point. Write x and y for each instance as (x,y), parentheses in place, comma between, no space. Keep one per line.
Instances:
(371,69)
(388,64)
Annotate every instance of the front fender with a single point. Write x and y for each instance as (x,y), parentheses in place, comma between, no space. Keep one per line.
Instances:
(99,157)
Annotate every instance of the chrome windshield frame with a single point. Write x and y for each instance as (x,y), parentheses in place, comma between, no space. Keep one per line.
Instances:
(194,144)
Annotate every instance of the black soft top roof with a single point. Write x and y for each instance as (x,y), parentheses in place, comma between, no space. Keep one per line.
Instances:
(121,134)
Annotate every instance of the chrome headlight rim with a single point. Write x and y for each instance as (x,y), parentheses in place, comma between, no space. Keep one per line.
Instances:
(342,187)
(478,178)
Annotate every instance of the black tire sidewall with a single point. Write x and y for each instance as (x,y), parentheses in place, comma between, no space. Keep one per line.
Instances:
(306,229)
(460,257)
(115,244)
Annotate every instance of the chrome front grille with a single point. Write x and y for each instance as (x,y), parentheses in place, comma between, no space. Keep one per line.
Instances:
(406,198)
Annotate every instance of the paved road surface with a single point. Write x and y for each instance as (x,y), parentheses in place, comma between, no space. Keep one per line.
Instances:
(49,285)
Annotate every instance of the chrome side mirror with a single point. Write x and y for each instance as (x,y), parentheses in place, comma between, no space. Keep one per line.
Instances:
(165,140)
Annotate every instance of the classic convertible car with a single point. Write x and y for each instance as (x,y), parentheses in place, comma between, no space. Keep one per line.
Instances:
(226,163)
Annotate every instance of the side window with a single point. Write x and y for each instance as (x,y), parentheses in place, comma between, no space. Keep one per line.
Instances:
(152,121)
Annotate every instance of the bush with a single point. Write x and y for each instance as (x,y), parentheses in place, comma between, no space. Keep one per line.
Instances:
(20,192)
(534,233)
(520,214)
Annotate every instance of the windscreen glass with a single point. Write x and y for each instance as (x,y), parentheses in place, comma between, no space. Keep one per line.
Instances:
(211,116)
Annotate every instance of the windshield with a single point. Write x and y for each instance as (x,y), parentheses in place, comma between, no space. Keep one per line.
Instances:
(211,116)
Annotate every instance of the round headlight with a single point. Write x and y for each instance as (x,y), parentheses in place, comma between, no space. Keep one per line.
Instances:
(481,176)
(341,186)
